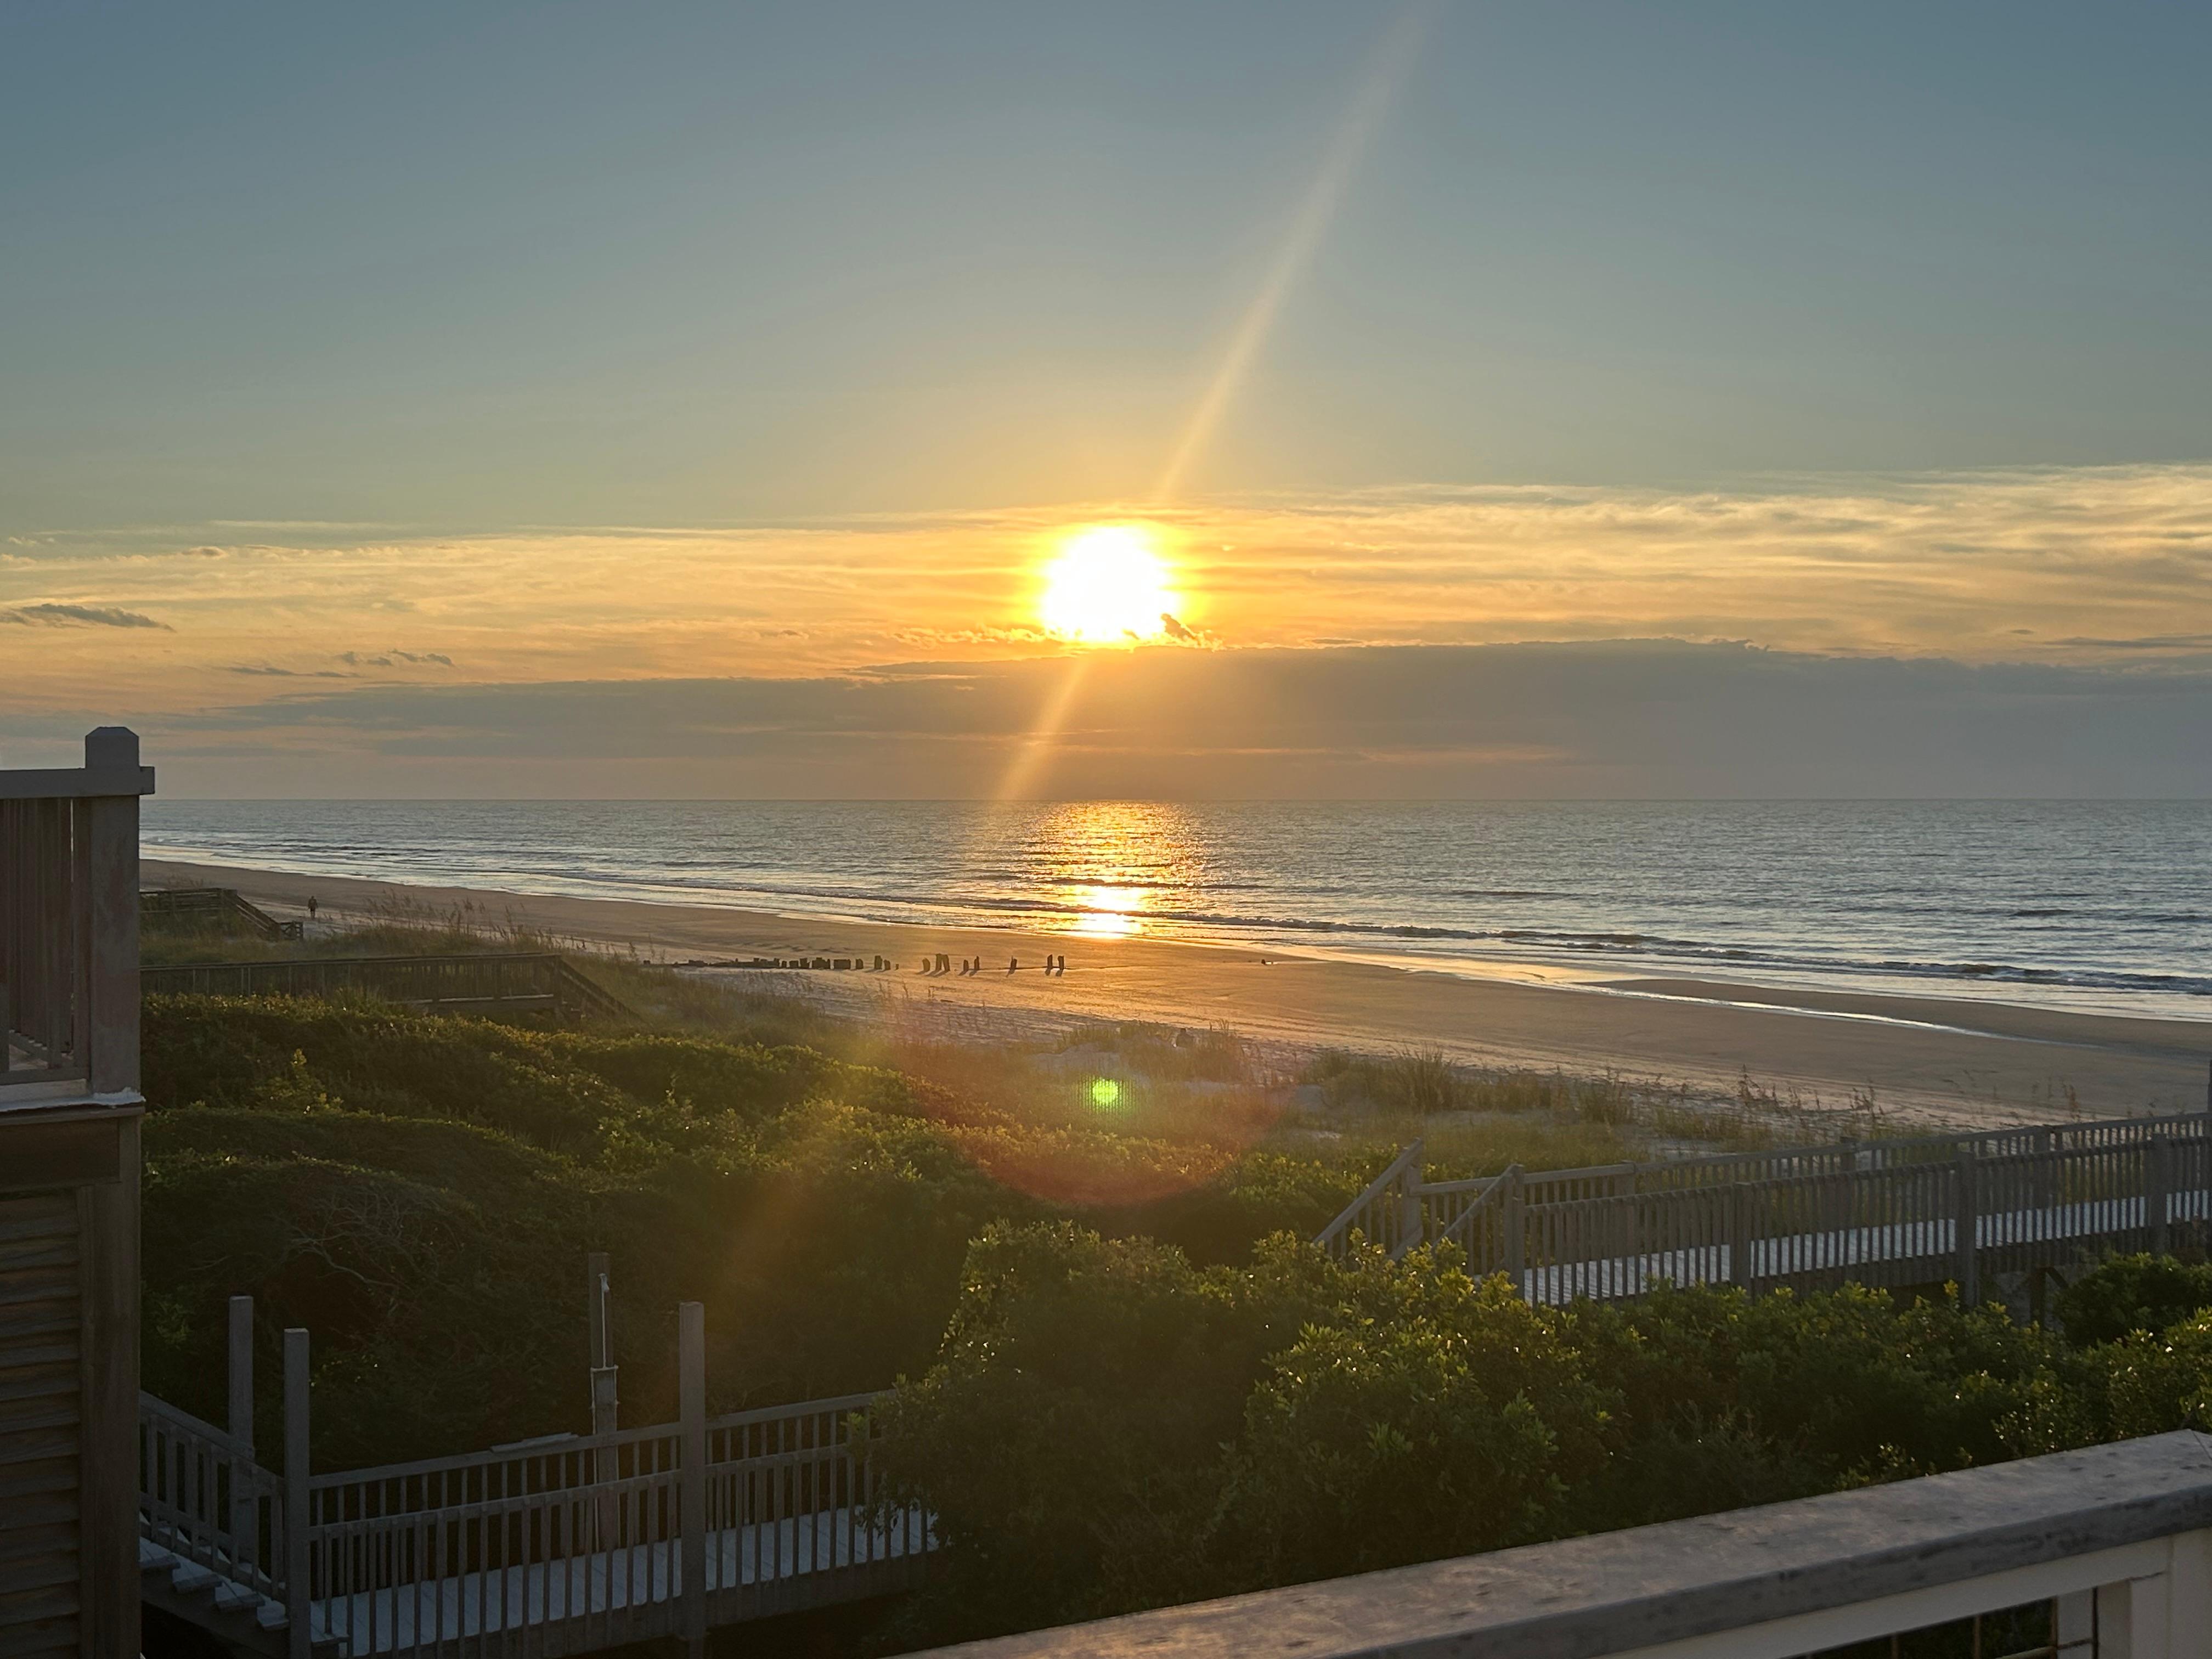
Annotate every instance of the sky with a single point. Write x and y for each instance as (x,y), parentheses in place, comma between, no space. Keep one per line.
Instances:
(1561,399)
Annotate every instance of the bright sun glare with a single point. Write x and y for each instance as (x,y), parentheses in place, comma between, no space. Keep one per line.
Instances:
(1107,585)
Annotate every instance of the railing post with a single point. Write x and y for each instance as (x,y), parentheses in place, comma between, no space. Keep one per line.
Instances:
(1736,1211)
(605,1394)
(298,1592)
(1967,1228)
(1514,1218)
(110,1027)
(2158,1183)
(245,1518)
(1411,1222)
(691,1400)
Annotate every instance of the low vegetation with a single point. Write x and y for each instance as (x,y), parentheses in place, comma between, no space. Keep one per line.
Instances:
(1117,1374)
(420,1192)
(1109,1426)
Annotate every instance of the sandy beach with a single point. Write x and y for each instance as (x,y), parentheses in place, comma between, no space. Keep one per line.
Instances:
(1925,1060)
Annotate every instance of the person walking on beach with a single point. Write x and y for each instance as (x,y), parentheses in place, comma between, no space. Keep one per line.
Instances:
(1012,962)
(312,907)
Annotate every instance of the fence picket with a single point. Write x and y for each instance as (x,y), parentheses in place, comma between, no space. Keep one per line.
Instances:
(1886,1212)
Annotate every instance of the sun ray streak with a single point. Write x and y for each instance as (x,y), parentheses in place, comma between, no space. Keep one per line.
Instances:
(1378,88)
(1044,736)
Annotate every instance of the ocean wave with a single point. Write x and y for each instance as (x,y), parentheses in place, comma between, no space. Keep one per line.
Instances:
(1611,888)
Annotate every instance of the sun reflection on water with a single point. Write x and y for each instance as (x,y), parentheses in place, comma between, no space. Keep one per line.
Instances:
(1110,912)
(1112,861)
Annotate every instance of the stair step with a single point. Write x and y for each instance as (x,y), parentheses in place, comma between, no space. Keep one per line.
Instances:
(189,1577)
(232,1596)
(152,1558)
(270,1615)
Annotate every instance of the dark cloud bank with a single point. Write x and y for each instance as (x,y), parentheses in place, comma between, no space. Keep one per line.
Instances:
(1616,718)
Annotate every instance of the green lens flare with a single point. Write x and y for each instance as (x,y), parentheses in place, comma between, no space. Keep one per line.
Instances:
(1105,1092)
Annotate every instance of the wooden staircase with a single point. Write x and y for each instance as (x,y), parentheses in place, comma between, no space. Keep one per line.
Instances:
(200,1596)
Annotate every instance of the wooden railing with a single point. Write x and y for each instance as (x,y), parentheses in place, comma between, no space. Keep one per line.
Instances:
(69,923)
(518,979)
(203,1499)
(2100,1553)
(223,908)
(1386,1214)
(558,1546)
(1896,1212)
(495,1544)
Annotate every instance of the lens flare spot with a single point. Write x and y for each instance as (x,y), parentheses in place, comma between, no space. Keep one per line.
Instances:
(1105,1093)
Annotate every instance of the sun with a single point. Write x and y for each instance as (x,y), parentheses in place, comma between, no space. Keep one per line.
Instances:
(1106,584)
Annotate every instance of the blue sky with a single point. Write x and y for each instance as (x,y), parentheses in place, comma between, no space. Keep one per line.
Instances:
(494,265)
(447,341)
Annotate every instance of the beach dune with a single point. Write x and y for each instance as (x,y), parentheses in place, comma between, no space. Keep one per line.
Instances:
(1925,1060)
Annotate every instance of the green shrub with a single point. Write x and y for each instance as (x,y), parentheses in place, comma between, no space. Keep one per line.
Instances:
(2125,1293)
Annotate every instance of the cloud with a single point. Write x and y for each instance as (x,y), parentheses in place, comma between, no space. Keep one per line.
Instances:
(287,673)
(2089,567)
(2148,642)
(392,659)
(1648,717)
(84,616)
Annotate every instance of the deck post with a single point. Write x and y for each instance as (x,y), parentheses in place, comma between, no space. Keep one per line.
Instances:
(298,1639)
(111,874)
(606,1395)
(244,1520)
(1967,1226)
(2157,1183)
(1411,1227)
(1514,1217)
(1736,1213)
(691,1398)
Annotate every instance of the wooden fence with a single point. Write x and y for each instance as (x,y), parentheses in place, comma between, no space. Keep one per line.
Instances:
(1886,1212)
(560,1546)
(223,909)
(500,981)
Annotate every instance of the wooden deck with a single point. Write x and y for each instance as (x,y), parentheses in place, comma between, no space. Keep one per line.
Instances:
(569,1605)
(1910,1252)
(578,1543)
(1909,1212)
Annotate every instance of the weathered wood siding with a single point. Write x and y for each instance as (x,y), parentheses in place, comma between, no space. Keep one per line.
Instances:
(42,1379)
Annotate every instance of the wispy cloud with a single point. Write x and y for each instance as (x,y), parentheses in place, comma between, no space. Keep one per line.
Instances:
(394,658)
(2065,566)
(79,616)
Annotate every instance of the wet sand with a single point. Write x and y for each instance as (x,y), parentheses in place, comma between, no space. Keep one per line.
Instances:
(1926,1060)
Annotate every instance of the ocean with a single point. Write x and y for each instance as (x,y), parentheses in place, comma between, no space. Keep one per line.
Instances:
(2092,905)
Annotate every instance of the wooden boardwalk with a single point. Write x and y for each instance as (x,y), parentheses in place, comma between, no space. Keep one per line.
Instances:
(492,982)
(572,1603)
(574,1544)
(1907,1212)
